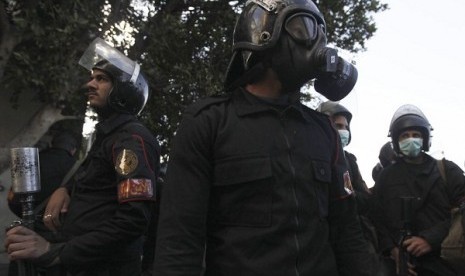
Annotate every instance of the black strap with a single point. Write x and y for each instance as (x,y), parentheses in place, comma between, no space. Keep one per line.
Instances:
(66,178)
(442,170)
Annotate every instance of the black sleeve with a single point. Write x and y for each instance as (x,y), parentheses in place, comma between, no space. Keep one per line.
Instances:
(184,205)
(385,240)
(436,234)
(455,179)
(148,248)
(349,245)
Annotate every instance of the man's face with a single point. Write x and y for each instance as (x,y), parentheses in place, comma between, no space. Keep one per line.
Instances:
(340,122)
(98,89)
(409,134)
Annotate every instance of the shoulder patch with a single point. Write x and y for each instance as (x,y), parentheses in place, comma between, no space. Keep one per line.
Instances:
(200,105)
(126,162)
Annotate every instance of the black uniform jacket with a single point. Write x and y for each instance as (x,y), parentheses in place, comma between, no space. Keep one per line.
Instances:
(258,189)
(112,196)
(434,200)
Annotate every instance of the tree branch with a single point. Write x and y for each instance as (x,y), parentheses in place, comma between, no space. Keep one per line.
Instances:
(32,132)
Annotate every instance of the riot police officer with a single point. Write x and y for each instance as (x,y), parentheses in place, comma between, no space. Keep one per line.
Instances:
(255,182)
(341,118)
(107,204)
(416,175)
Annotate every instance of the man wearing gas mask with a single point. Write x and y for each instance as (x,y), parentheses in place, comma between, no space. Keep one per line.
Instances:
(410,235)
(108,203)
(255,183)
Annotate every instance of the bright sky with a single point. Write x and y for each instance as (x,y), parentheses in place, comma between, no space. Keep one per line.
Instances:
(415,57)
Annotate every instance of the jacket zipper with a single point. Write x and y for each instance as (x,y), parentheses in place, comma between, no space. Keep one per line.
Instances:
(294,193)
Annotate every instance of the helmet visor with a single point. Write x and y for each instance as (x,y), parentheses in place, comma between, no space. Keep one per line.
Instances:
(99,50)
(302,27)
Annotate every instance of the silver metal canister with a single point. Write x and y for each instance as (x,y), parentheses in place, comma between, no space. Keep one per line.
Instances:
(25,173)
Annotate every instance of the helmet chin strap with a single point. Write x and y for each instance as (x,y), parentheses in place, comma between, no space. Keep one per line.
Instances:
(135,73)
(104,112)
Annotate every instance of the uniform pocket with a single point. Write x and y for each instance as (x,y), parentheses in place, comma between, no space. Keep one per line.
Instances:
(242,191)
(321,171)
(322,176)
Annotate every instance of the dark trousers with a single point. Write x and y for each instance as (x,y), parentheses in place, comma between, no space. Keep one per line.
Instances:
(424,266)
(126,268)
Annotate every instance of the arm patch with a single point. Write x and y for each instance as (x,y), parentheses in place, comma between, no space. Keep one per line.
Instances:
(348,183)
(135,190)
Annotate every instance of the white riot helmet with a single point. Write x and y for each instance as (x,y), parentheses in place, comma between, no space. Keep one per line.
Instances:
(130,88)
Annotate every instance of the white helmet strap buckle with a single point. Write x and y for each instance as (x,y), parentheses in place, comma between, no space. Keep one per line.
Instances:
(135,73)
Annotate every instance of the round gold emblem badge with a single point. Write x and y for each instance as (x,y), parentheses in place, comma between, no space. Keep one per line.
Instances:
(126,162)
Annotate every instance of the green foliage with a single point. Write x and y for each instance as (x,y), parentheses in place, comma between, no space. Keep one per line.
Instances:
(350,23)
(51,33)
(183,47)
(188,51)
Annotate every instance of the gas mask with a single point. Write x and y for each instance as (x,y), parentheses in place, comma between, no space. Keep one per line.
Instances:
(288,36)
(301,55)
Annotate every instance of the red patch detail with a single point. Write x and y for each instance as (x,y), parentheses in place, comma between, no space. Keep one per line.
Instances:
(135,190)
(348,183)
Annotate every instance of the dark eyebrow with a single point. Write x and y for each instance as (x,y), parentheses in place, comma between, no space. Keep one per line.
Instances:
(99,73)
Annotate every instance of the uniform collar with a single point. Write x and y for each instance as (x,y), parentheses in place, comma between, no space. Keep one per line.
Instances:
(429,164)
(247,104)
(425,168)
(112,122)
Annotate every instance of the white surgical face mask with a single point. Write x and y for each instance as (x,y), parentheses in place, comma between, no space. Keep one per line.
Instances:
(411,147)
(345,135)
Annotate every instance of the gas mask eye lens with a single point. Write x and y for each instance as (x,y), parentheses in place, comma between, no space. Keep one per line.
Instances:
(302,27)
